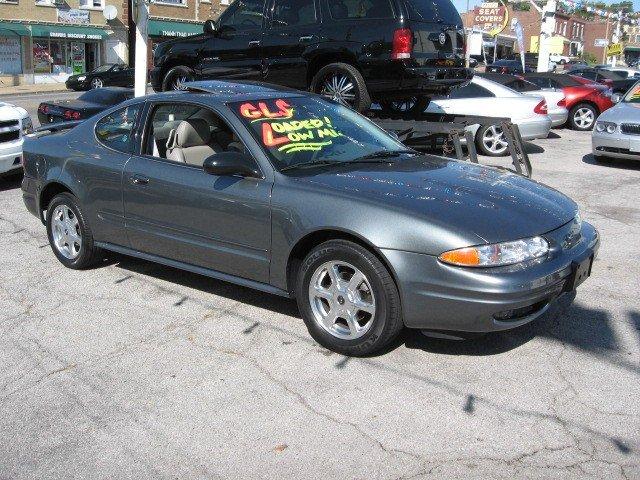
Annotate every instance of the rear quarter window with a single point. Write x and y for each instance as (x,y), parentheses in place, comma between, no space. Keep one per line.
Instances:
(433,11)
(360,9)
(116,129)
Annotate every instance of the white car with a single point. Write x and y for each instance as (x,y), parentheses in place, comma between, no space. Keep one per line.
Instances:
(14,124)
(559,58)
(490,99)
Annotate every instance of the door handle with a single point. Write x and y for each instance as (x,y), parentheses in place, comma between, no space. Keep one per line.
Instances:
(139,180)
(254,43)
(306,38)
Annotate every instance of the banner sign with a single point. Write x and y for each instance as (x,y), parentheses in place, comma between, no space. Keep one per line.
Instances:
(73,16)
(492,17)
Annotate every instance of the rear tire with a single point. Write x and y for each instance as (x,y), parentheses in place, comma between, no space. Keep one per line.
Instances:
(490,140)
(175,78)
(69,234)
(348,299)
(582,117)
(344,84)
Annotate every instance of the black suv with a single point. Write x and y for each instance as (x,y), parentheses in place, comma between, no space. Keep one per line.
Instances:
(354,51)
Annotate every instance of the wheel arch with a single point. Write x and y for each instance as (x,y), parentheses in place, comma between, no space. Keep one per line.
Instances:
(589,102)
(312,239)
(47,194)
(325,58)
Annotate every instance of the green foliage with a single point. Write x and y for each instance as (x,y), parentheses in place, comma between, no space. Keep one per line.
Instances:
(588,57)
(521,6)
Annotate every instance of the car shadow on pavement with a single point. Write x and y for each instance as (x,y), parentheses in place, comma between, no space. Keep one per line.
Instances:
(613,162)
(10,181)
(532,148)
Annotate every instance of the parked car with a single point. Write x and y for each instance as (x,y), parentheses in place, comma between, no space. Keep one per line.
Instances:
(584,102)
(559,58)
(487,98)
(617,131)
(322,205)
(15,123)
(115,75)
(612,80)
(575,64)
(352,52)
(625,72)
(556,102)
(85,106)
(507,66)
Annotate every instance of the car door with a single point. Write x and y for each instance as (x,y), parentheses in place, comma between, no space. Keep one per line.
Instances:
(178,212)
(234,51)
(291,32)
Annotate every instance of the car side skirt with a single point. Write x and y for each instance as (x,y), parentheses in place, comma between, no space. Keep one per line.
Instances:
(263,287)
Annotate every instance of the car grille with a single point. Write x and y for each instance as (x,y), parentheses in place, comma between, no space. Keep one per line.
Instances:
(630,128)
(9,136)
(8,123)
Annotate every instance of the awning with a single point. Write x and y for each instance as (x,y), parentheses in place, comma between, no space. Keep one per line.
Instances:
(161,28)
(13,30)
(72,33)
(629,48)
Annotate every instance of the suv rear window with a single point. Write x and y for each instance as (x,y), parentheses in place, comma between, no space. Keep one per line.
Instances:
(356,9)
(433,11)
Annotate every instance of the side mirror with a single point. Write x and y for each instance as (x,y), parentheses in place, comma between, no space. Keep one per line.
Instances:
(231,164)
(616,97)
(210,27)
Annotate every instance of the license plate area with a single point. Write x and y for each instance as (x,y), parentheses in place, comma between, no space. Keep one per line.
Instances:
(580,271)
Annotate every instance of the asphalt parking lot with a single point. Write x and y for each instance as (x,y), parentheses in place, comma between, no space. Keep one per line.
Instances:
(135,370)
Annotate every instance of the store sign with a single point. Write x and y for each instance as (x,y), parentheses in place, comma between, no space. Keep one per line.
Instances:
(174,33)
(10,56)
(600,42)
(73,16)
(75,36)
(491,17)
(614,49)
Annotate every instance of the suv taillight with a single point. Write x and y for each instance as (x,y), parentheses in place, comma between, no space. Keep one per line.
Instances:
(402,44)
(541,108)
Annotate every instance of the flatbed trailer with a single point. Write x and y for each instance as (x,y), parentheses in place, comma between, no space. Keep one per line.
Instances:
(435,131)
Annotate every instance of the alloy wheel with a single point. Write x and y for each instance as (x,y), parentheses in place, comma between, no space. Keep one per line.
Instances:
(494,140)
(67,238)
(96,83)
(339,87)
(583,118)
(179,82)
(342,300)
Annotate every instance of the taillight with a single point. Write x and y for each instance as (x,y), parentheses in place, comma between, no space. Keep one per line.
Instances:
(562,103)
(71,114)
(402,44)
(541,108)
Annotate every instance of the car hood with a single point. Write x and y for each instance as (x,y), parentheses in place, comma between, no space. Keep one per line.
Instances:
(11,112)
(77,104)
(622,113)
(493,204)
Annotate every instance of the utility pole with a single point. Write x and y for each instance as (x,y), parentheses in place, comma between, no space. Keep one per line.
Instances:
(547,26)
(615,38)
(141,45)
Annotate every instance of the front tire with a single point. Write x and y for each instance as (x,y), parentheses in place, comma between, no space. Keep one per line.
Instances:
(582,117)
(69,234)
(348,299)
(97,83)
(175,78)
(491,141)
(344,84)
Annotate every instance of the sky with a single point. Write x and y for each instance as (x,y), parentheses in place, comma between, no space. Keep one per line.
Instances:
(461,5)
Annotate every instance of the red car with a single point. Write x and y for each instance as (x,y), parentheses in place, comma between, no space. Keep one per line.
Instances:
(584,101)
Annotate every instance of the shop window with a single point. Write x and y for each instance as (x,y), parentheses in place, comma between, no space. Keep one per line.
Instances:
(92,4)
(170,2)
(45,3)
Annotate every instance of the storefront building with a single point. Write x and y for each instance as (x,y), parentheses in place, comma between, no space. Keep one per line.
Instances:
(162,30)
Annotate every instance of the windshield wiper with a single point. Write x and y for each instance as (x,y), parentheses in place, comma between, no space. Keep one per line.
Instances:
(380,156)
(312,163)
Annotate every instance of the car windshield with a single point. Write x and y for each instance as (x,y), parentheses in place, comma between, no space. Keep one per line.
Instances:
(102,68)
(307,130)
(633,95)
(106,96)
(441,11)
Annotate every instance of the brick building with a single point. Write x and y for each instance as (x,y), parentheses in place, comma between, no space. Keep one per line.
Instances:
(44,41)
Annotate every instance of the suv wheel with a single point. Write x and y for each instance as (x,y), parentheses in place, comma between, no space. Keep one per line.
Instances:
(344,84)
(490,140)
(176,78)
(69,235)
(582,117)
(348,299)
(411,105)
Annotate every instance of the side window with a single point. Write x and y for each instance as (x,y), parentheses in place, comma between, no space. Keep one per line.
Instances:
(356,9)
(470,91)
(541,82)
(589,75)
(116,129)
(186,133)
(244,15)
(290,13)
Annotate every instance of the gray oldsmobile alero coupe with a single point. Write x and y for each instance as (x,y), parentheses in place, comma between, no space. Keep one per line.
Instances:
(291,194)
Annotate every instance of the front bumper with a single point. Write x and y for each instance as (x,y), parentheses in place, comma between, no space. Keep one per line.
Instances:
(437,296)
(617,145)
(76,85)
(11,156)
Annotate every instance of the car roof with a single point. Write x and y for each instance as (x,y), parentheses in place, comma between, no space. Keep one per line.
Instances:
(228,91)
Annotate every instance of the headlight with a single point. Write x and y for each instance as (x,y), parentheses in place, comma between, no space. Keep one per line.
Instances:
(82,78)
(498,254)
(27,126)
(608,127)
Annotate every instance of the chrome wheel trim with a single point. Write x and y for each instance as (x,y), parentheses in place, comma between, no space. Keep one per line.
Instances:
(96,83)
(179,82)
(65,229)
(583,117)
(342,300)
(339,87)
(493,139)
